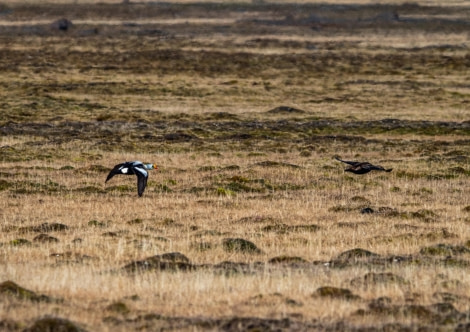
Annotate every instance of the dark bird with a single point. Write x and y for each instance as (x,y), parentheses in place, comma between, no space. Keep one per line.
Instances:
(362,167)
(133,168)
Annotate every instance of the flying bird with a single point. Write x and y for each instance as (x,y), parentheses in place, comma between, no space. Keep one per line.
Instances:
(133,168)
(362,167)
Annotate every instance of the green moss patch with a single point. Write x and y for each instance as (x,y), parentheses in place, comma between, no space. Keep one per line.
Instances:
(9,288)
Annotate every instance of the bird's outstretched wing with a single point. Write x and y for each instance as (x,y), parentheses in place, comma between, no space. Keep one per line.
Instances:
(352,163)
(141,184)
(375,167)
(118,169)
(142,176)
(372,167)
(379,168)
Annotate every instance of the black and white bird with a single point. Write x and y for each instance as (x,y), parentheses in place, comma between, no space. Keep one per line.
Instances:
(358,167)
(133,168)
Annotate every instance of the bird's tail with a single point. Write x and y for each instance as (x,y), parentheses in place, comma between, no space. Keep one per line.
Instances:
(388,169)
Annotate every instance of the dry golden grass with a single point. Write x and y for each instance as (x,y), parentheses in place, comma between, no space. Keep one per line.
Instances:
(203,102)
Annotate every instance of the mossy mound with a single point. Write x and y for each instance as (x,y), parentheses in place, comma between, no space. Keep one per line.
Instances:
(118,307)
(230,268)
(285,110)
(175,257)
(424,215)
(335,293)
(449,297)
(96,223)
(256,219)
(442,313)
(44,228)
(374,279)
(240,245)
(173,261)
(19,242)
(54,324)
(303,228)
(4,185)
(9,325)
(9,288)
(442,249)
(288,260)
(283,228)
(201,246)
(44,238)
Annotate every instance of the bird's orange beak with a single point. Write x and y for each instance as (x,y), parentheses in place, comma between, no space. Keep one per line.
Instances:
(155,166)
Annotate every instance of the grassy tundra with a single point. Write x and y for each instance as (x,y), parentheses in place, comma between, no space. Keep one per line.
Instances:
(249,222)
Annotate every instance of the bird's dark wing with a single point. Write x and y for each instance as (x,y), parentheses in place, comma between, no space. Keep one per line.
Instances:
(116,170)
(375,167)
(352,163)
(141,184)
(142,176)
